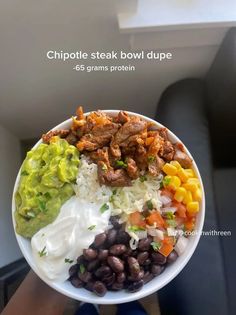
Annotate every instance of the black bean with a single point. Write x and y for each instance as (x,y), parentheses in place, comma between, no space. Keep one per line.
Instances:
(172,257)
(158,258)
(111,237)
(147,277)
(76,282)
(102,254)
(115,263)
(135,286)
(136,276)
(99,240)
(145,244)
(99,288)
(115,222)
(117,286)
(133,266)
(156,270)
(121,277)
(73,270)
(94,264)
(123,237)
(86,276)
(89,286)
(103,271)
(90,254)
(109,280)
(118,249)
(142,257)
(147,262)
(128,253)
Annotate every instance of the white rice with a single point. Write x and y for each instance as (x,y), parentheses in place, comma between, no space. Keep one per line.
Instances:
(87,186)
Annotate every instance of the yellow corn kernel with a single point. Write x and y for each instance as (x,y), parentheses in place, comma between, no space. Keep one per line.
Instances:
(190,172)
(176,164)
(180,194)
(194,181)
(190,186)
(188,197)
(193,207)
(174,182)
(169,169)
(197,195)
(182,174)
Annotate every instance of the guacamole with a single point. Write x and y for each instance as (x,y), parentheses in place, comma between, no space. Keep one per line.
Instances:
(46,179)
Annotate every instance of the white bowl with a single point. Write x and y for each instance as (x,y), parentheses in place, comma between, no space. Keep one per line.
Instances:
(157,283)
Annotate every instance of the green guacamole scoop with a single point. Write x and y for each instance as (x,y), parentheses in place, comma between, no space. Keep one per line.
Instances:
(46,182)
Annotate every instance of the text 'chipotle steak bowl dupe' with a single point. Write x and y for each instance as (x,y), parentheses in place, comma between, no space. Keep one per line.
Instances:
(108,207)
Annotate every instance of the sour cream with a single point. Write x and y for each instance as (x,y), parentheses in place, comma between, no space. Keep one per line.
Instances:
(56,247)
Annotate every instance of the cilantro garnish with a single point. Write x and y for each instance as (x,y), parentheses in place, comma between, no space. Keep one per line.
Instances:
(151,158)
(42,205)
(165,182)
(156,245)
(81,268)
(149,204)
(47,195)
(121,164)
(143,178)
(24,173)
(91,227)
(68,260)
(169,215)
(42,252)
(104,208)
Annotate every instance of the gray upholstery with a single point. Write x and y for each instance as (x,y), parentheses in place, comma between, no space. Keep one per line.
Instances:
(203,114)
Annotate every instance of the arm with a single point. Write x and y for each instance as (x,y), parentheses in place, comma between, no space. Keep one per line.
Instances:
(35,297)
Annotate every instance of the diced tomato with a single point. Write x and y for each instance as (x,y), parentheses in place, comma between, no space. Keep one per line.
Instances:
(167,246)
(189,224)
(166,192)
(136,218)
(155,217)
(169,240)
(181,209)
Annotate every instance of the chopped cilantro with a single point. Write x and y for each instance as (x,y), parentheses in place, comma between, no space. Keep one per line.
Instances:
(121,164)
(68,260)
(81,268)
(149,204)
(104,208)
(169,215)
(135,228)
(151,158)
(24,173)
(156,245)
(143,178)
(47,195)
(165,182)
(42,252)
(42,205)
(111,199)
(91,227)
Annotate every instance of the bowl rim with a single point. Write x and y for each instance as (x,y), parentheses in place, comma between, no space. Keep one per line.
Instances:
(145,291)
